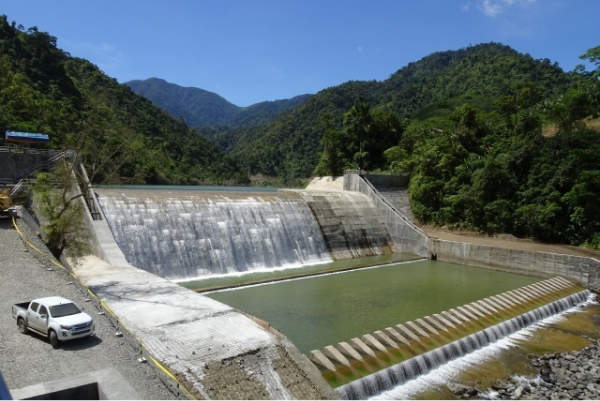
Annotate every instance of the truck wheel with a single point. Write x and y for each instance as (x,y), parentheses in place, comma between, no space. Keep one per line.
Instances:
(53,339)
(22,326)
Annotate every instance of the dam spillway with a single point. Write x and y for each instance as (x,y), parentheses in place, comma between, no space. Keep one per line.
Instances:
(190,234)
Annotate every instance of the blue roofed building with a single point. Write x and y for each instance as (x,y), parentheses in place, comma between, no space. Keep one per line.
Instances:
(26,137)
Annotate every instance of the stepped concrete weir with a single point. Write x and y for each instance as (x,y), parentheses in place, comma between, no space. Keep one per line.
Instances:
(363,367)
(351,226)
(184,234)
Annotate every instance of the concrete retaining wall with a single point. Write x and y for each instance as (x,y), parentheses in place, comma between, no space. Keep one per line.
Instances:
(388,180)
(594,275)
(582,270)
(11,164)
(409,238)
(406,236)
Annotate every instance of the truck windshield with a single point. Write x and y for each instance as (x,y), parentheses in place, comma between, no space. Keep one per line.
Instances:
(64,310)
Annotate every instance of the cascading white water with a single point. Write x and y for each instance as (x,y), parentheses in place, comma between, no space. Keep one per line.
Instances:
(399,374)
(187,236)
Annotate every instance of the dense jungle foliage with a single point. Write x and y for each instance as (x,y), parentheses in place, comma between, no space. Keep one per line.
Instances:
(472,129)
(121,137)
(290,146)
(526,165)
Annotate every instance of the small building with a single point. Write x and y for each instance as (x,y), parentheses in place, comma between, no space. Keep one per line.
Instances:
(26,137)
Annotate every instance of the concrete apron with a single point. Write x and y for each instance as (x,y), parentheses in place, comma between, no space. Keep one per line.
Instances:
(186,332)
(396,350)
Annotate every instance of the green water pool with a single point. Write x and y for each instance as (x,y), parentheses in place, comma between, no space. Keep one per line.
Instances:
(318,311)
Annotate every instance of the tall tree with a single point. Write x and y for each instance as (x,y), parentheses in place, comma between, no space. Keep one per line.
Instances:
(593,56)
(57,205)
(357,123)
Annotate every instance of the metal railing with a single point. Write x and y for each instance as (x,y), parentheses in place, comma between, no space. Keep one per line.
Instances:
(15,190)
(33,151)
(90,199)
(45,165)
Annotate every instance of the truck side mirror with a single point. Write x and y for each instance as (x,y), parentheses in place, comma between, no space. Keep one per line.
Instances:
(43,316)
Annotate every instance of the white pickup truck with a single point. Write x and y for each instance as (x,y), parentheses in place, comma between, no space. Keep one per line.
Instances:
(54,317)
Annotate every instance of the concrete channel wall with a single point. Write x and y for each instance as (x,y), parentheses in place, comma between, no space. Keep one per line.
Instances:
(406,236)
(579,269)
(14,161)
(409,238)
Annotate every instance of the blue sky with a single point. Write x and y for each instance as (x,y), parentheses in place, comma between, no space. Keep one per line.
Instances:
(250,51)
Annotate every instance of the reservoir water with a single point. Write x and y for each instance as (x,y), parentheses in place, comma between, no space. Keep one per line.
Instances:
(318,311)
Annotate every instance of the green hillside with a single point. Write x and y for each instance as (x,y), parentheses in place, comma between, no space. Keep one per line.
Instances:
(121,137)
(469,126)
(265,112)
(202,109)
(290,146)
(195,106)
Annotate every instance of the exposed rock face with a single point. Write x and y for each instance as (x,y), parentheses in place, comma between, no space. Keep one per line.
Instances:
(566,376)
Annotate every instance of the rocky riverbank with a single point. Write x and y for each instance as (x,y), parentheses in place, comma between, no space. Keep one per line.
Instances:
(566,376)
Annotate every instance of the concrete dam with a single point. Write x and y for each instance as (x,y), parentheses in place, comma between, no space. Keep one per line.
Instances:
(165,236)
(183,234)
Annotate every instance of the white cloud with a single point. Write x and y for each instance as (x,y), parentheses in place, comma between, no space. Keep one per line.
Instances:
(493,8)
(490,8)
(360,49)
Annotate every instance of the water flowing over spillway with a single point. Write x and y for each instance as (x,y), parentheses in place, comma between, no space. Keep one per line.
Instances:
(189,234)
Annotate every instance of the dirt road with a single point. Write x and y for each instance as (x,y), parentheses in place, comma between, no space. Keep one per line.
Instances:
(29,359)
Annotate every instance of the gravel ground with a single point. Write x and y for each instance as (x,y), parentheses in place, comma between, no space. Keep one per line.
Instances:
(30,359)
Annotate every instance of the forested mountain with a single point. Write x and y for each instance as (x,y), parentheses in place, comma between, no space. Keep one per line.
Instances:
(496,168)
(121,136)
(200,108)
(469,126)
(289,147)
(195,106)
(264,112)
